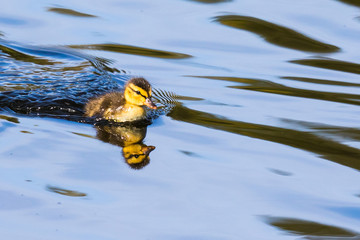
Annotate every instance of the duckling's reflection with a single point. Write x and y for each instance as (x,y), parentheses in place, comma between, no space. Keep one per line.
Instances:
(134,151)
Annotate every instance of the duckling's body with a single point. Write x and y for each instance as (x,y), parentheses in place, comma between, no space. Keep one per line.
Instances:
(112,106)
(124,106)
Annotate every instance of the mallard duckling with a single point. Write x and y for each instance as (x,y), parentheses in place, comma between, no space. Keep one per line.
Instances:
(123,106)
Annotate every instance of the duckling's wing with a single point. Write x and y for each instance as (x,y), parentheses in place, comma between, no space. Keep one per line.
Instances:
(93,107)
(112,101)
(105,103)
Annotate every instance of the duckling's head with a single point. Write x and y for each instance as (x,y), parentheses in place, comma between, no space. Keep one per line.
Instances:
(137,155)
(138,92)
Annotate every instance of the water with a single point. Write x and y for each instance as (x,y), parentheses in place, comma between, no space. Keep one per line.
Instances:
(258,137)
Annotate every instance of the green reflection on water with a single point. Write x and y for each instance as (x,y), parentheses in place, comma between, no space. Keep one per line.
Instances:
(331,64)
(308,228)
(10,119)
(83,135)
(276,34)
(276,88)
(120,48)
(322,81)
(27,132)
(326,148)
(20,56)
(355,3)
(330,131)
(69,12)
(62,191)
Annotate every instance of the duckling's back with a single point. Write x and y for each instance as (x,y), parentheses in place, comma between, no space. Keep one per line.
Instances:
(101,105)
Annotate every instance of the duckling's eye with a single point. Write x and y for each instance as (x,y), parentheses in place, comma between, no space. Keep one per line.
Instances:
(136,156)
(137,92)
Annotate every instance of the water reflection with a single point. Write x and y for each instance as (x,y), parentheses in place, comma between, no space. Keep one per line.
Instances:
(276,34)
(21,56)
(326,148)
(310,229)
(62,191)
(267,86)
(10,119)
(355,3)
(333,132)
(331,64)
(70,12)
(121,48)
(130,138)
(321,81)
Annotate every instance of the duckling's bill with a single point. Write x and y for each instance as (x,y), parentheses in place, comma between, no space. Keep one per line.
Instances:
(149,103)
(147,149)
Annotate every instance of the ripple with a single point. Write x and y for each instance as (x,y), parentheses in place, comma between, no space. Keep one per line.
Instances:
(322,81)
(18,55)
(133,50)
(276,34)
(338,133)
(62,191)
(355,3)
(10,119)
(69,12)
(12,21)
(329,63)
(27,132)
(51,81)
(309,229)
(267,86)
(326,148)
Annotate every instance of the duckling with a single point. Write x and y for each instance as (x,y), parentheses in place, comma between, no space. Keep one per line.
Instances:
(126,106)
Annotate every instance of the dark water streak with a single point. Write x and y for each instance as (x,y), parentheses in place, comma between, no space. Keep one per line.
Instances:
(267,86)
(69,12)
(332,64)
(62,191)
(276,34)
(310,229)
(326,148)
(355,3)
(134,50)
(321,81)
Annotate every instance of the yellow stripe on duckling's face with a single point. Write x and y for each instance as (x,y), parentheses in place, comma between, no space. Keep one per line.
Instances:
(136,95)
(138,90)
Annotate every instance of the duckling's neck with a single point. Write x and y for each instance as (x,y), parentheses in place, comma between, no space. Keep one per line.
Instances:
(126,112)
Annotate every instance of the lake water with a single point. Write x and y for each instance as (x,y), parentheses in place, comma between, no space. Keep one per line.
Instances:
(262,143)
